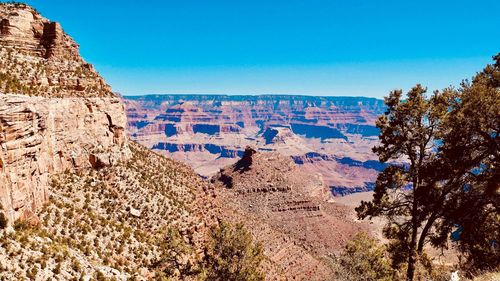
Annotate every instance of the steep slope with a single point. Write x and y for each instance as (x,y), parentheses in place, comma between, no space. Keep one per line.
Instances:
(112,222)
(272,189)
(81,201)
(38,58)
(56,112)
(211,131)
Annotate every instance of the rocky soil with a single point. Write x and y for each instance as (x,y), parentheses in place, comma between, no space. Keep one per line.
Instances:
(114,223)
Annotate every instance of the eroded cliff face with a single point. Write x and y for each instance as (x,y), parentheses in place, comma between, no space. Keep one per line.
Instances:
(38,58)
(211,131)
(41,136)
(56,112)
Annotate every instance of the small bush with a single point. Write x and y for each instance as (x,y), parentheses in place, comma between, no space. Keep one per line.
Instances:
(363,260)
(232,255)
(3,221)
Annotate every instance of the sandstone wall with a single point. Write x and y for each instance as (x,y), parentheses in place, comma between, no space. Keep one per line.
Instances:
(40,136)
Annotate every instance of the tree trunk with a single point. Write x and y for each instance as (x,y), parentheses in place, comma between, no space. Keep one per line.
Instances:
(412,253)
(425,230)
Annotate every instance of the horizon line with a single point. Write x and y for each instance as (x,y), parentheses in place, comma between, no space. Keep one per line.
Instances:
(247,95)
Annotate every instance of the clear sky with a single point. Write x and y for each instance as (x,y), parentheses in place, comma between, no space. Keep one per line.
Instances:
(313,47)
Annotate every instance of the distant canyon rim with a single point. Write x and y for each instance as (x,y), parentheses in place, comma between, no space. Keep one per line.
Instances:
(328,136)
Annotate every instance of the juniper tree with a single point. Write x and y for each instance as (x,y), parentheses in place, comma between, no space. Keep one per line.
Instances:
(408,132)
(467,170)
(232,254)
(448,180)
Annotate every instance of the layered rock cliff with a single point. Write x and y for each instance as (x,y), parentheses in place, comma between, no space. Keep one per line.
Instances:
(290,203)
(56,112)
(201,129)
(38,58)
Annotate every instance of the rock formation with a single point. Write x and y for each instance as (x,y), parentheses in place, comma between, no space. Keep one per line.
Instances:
(38,58)
(56,112)
(211,131)
(108,208)
(279,198)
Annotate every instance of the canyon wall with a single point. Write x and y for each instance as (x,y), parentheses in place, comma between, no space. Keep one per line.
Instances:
(56,113)
(41,136)
(332,136)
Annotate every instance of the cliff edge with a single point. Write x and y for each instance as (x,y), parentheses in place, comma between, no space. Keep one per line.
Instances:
(56,112)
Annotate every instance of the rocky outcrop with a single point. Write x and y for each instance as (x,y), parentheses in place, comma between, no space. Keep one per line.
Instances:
(38,58)
(266,172)
(290,203)
(41,136)
(222,151)
(56,113)
(278,135)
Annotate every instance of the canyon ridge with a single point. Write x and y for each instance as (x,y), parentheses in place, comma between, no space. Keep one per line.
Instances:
(328,136)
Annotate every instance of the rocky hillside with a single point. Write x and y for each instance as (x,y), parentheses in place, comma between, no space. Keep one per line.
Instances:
(114,223)
(282,201)
(78,200)
(56,112)
(332,136)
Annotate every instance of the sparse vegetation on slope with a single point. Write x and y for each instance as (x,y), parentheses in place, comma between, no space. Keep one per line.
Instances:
(38,58)
(112,221)
(138,219)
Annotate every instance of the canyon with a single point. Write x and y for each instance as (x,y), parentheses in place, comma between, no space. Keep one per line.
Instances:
(80,199)
(96,185)
(329,136)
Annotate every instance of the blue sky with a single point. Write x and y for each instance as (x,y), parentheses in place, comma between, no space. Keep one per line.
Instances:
(349,47)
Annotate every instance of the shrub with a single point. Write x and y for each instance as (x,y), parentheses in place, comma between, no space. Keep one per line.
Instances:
(3,221)
(364,260)
(174,250)
(20,225)
(232,255)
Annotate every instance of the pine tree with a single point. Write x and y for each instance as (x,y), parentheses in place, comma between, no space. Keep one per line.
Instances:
(468,170)
(443,179)
(409,129)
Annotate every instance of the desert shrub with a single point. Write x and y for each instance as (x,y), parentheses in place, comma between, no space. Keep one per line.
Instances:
(3,221)
(232,255)
(426,269)
(363,259)
(20,225)
(175,251)
(57,269)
